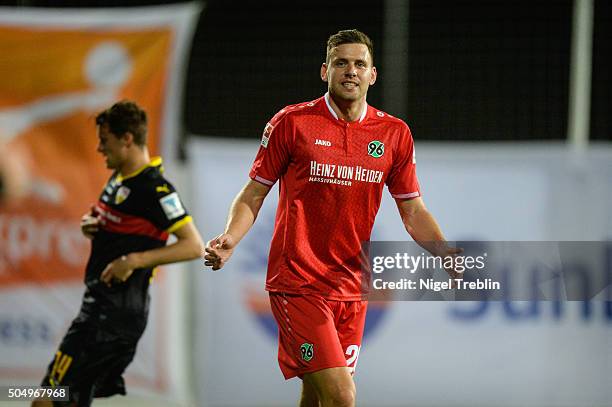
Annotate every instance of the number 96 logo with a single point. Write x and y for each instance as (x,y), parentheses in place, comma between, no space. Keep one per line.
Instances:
(376,149)
(307,350)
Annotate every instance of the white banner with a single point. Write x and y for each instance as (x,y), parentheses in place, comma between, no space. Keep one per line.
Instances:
(423,353)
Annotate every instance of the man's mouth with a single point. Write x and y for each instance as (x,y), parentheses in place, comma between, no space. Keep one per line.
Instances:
(350,85)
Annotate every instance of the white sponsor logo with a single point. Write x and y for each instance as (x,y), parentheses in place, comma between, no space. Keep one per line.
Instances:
(171,204)
(322,143)
(105,215)
(322,172)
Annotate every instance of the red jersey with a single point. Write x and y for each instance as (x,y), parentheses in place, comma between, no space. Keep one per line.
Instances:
(332,175)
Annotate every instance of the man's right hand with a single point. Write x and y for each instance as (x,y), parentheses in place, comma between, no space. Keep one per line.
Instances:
(90,224)
(219,250)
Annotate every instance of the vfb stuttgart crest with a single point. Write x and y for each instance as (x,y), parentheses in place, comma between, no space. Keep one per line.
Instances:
(122,194)
(376,148)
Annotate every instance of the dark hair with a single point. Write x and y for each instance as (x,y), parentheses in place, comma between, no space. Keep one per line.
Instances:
(349,37)
(123,117)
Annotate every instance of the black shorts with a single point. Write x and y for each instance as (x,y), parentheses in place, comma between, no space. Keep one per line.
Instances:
(90,360)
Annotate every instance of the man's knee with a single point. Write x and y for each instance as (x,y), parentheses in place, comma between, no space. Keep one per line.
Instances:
(341,397)
(335,387)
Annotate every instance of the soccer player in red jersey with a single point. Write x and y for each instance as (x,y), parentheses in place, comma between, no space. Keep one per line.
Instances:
(333,157)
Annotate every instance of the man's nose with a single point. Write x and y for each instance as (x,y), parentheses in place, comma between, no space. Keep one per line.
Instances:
(350,72)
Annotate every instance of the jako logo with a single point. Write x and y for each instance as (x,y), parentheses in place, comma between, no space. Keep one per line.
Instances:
(322,143)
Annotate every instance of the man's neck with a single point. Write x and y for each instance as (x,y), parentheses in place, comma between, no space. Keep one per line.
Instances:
(347,110)
(137,159)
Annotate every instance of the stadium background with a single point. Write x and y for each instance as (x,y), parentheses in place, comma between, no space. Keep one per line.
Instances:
(486,88)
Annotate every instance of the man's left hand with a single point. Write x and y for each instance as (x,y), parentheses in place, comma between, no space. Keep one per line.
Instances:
(453,252)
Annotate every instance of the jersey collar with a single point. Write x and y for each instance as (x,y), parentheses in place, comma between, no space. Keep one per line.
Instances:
(363,114)
(155,162)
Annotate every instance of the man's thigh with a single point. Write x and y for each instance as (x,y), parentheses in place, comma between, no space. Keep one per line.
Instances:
(333,386)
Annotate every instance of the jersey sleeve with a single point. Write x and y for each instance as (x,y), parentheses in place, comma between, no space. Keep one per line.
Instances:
(402,180)
(166,209)
(274,152)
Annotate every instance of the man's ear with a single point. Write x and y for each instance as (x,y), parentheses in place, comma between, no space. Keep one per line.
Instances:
(324,72)
(374,76)
(128,138)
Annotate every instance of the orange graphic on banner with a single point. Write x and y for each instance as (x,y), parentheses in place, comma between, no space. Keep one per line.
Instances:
(52,84)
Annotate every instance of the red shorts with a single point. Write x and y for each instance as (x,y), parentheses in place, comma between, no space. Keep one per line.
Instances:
(315,333)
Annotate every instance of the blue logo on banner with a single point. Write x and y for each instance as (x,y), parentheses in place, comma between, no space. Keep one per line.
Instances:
(556,308)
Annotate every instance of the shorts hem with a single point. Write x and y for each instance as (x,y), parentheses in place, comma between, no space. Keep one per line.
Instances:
(302,372)
(349,298)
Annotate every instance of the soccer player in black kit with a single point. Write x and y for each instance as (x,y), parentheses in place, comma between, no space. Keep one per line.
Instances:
(128,227)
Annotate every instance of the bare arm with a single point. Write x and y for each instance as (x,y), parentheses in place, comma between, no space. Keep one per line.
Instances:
(245,208)
(242,215)
(188,246)
(424,229)
(421,225)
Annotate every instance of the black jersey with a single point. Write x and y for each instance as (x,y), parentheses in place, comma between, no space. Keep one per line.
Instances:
(137,212)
